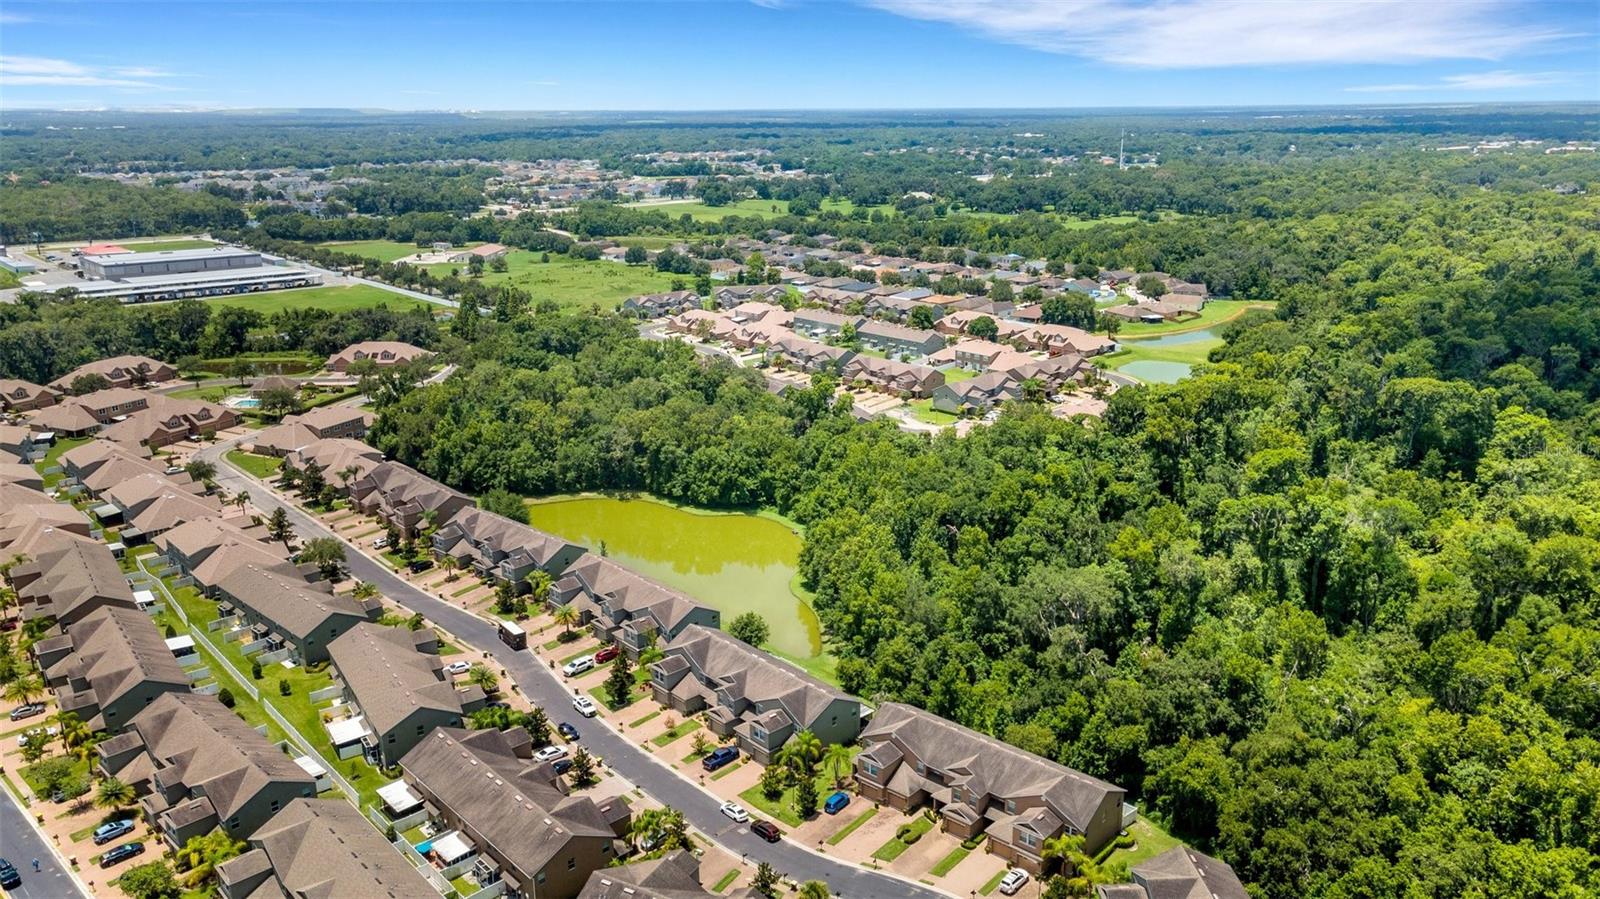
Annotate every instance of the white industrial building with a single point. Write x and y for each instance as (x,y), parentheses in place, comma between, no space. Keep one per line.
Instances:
(120,266)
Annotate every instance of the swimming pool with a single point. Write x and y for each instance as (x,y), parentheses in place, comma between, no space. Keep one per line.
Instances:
(244,402)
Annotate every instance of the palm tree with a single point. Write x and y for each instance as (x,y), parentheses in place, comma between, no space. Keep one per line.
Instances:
(73,731)
(202,854)
(538,582)
(483,677)
(113,794)
(449,564)
(24,688)
(566,616)
(837,760)
(1085,873)
(348,474)
(804,751)
(241,499)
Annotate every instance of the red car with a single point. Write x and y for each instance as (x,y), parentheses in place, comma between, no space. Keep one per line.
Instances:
(766,830)
(607,654)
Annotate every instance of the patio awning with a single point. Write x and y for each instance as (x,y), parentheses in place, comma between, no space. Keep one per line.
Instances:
(106,510)
(452,847)
(399,798)
(346,731)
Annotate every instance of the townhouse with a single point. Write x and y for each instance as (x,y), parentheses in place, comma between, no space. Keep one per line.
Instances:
(100,465)
(980,785)
(198,766)
(821,323)
(165,421)
(514,817)
(1178,873)
(675,875)
(65,577)
(899,340)
(108,666)
(320,848)
(809,355)
(626,609)
(120,371)
(383,353)
(397,687)
(732,296)
(21,474)
(405,498)
(284,611)
(903,379)
(190,545)
(149,505)
(749,694)
(326,423)
(976,394)
(23,396)
(28,516)
(498,549)
(342,461)
(16,443)
(660,305)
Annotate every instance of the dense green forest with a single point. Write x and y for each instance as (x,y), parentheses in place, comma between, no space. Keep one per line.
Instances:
(1329,609)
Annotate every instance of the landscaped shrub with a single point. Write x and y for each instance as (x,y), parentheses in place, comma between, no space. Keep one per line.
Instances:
(225,696)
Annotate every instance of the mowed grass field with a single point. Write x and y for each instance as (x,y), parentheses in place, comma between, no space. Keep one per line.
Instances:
(381,250)
(156,246)
(573,283)
(333,299)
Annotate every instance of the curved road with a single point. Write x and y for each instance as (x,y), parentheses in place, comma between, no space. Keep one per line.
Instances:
(543,688)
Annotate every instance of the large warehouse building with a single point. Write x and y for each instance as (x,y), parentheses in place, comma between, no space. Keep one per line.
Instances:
(120,266)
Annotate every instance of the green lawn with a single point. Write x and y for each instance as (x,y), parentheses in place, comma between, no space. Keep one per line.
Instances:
(648,717)
(726,881)
(949,862)
(893,849)
(573,283)
(257,466)
(683,728)
(155,246)
(381,250)
(648,241)
(728,769)
(1150,841)
(700,212)
(332,299)
(783,807)
(53,457)
(1216,312)
(80,768)
(845,831)
(994,882)
(957,374)
(923,411)
(213,391)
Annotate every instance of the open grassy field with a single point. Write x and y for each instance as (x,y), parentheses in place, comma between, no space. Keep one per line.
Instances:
(923,411)
(381,250)
(700,212)
(333,299)
(1216,312)
(574,283)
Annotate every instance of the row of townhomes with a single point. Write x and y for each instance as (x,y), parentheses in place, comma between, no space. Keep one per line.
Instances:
(491,810)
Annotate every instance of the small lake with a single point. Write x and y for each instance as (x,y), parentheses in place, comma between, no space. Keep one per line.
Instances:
(1168,350)
(1169,340)
(731,561)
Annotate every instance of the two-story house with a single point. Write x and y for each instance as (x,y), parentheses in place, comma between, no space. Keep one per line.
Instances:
(108,666)
(749,694)
(498,549)
(398,687)
(623,608)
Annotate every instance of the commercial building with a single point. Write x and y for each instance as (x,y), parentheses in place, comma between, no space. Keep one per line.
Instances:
(122,266)
(199,285)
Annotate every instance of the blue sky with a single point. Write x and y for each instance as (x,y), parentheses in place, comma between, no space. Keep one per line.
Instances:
(805,54)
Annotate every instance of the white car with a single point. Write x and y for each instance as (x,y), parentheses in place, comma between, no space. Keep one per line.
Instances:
(586,707)
(380,543)
(578,666)
(458,668)
(735,811)
(549,753)
(40,733)
(1015,879)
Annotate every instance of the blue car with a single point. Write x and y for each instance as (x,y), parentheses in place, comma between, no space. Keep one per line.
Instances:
(719,758)
(109,831)
(836,803)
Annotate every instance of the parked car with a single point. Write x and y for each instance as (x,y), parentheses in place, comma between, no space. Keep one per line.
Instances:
(735,811)
(109,831)
(174,469)
(766,830)
(549,753)
(9,878)
(43,733)
(380,543)
(1015,879)
(567,731)
(125,851)
(578,666)
(585,706)
(27,711)
(458,668)
(836,803)
(562,766)
(420,565)
(719,758)
(607,654)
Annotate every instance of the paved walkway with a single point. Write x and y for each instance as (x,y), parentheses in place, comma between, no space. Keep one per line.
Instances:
(544,688)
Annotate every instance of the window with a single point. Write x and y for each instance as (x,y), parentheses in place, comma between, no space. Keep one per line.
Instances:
(871,768)
(274,805)
(920,769)
(1029,839)
(389,739)
(1011,807)
(538,878)
(572,863)
(419,730)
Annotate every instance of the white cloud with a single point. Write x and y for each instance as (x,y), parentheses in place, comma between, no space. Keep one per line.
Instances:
(1188,34)
(28,71)
(1498,80)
